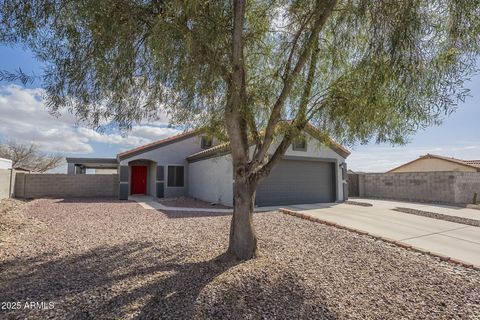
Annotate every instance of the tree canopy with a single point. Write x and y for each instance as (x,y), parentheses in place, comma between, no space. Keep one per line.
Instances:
(383,69)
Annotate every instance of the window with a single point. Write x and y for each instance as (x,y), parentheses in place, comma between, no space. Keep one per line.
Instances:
(175,176)
(206,142)
(300,144)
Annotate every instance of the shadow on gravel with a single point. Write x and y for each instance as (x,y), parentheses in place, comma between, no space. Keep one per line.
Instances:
(144,281)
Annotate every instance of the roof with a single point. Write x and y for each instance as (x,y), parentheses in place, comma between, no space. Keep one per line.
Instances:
(473,162)
(157,144)
(335,146)
(91,160)
(224,148)
(468,163)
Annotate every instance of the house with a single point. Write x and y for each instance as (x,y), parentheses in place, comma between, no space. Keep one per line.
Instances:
(193,164)
(80,165)
(5,163)
(432,162)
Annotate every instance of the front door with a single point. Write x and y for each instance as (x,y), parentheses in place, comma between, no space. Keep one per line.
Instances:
(139,180)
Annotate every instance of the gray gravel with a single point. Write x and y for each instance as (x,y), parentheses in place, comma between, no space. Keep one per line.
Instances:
(12,221)
(189,202)
(105,259)
(358,203)
(439,216)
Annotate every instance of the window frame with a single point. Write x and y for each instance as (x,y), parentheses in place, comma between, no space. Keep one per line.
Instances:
(175,176)
(295,141)
(202,140)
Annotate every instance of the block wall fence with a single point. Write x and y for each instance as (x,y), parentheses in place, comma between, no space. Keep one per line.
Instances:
(442,187)
(65,185)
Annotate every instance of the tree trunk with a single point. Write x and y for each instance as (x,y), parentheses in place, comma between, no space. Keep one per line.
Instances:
(243,242)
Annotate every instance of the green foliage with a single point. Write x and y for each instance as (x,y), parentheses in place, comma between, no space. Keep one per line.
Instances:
(385,68)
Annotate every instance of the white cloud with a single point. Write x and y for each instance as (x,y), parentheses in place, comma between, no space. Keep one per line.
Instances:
(23,117)
(153,133)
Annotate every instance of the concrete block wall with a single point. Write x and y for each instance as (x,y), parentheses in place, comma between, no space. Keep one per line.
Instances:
(442,187)
(65,186)
(466,185)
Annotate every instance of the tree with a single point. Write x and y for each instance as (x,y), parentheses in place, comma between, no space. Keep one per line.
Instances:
(27,156)
(356,69)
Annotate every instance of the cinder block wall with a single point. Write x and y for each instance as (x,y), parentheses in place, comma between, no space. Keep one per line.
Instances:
(443,187)
(466,185)
(66,185)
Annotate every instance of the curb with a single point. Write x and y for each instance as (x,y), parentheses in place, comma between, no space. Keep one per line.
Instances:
(385,239)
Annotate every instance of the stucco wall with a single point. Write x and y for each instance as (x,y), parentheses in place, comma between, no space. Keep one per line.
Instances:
(6,182)
(65,185)
(443,187)
(432,164)
(172,154)
(211,180)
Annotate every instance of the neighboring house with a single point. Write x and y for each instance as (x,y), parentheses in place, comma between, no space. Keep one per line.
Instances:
(192,164)
(81,165)
(105,171)
(5,163)
(431,162)
(6,178)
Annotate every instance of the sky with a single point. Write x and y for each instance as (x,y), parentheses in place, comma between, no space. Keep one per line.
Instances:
(24,118)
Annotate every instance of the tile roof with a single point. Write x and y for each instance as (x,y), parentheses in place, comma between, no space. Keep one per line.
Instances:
(157,144)
(213,151)
(473,162)
(469,163)
(224,148)
(221,148)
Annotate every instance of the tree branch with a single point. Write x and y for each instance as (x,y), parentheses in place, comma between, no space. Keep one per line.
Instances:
(300,121)
(288,84)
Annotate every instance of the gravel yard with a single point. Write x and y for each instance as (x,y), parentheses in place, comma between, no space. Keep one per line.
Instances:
(12,221)
(106,259)
(188,202)
(439,216)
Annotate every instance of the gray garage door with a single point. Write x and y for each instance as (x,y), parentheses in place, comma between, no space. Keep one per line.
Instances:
(296,182)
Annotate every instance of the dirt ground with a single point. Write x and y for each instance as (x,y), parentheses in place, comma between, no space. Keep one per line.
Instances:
(107,259)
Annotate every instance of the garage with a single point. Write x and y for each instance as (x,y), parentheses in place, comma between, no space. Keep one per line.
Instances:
(297,182)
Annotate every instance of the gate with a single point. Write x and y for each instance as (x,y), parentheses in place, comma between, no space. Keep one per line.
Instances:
(353,185)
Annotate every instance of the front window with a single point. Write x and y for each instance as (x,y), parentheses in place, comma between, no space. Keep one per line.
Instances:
(206,142)
(300,144)
(175,176)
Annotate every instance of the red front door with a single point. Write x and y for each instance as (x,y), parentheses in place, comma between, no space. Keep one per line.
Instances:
(139,180)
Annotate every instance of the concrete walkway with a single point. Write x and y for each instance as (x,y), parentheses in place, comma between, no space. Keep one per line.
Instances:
(151,203)
(447,238)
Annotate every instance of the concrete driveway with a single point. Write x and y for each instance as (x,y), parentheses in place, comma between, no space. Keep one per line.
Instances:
(447,238)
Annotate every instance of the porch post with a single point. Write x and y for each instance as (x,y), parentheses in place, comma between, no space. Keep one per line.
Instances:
(123,183)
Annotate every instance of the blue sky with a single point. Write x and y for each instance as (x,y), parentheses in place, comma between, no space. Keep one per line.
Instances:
(24,118)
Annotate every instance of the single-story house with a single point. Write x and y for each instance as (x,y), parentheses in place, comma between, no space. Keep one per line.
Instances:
(80,165)
(193,164)
(432,162)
